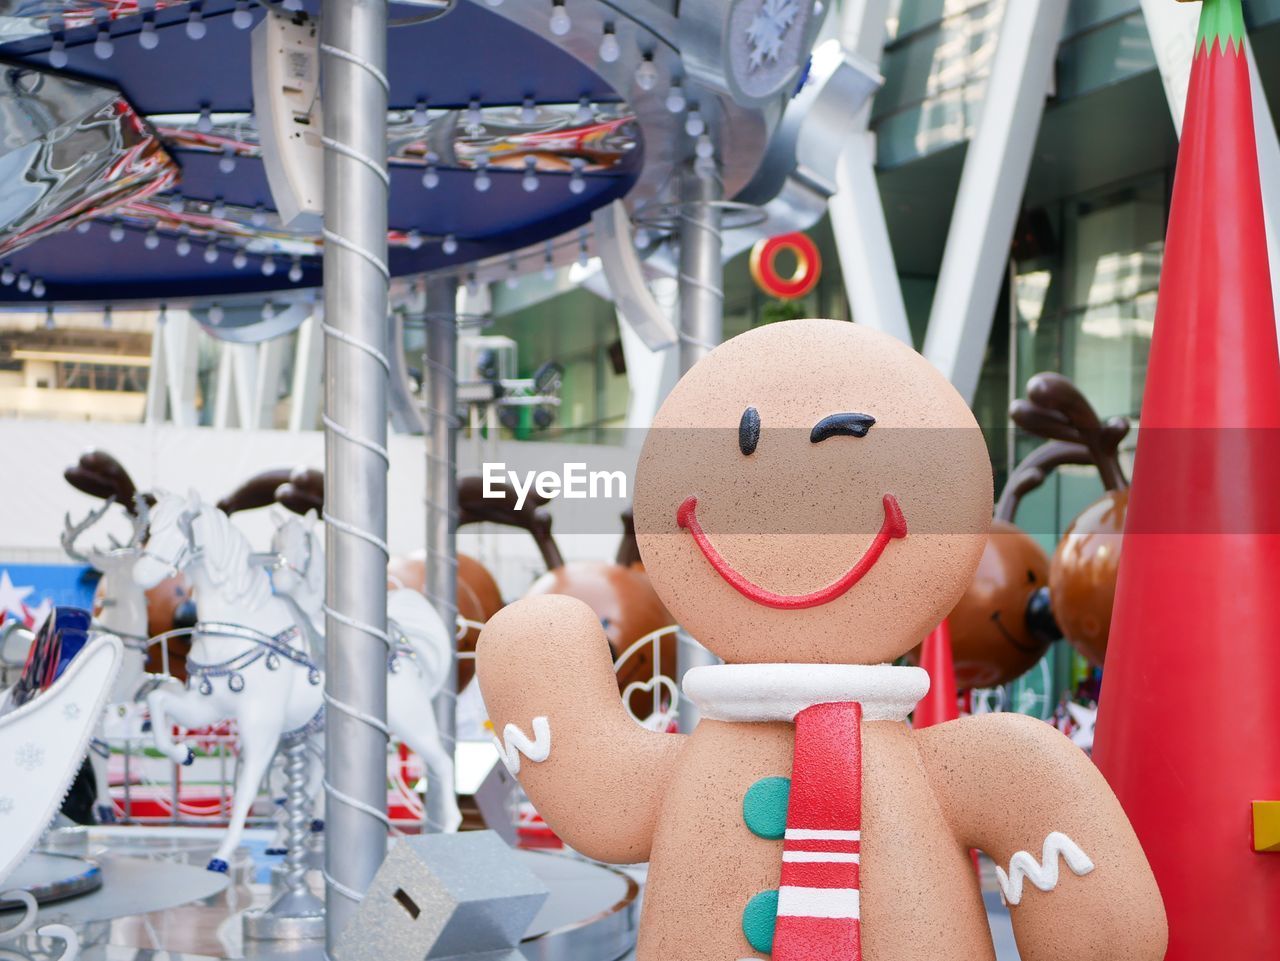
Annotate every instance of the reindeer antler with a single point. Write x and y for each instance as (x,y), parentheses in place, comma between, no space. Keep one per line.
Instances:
(302,491)
(98,474)
(71,531)
(1056,410)
(258,491)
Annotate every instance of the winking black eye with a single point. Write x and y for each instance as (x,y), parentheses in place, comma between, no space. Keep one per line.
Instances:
(749,431)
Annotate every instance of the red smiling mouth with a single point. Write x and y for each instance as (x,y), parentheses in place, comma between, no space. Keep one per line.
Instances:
(893,527)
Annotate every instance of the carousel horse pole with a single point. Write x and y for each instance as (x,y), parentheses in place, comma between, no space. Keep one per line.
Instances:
(246,662)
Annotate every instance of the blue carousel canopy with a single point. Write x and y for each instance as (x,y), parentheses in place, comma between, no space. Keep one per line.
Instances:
(474,98)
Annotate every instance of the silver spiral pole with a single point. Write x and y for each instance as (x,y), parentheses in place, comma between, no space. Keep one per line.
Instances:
(354,52)
(701,331)
(442,508)
(295,913)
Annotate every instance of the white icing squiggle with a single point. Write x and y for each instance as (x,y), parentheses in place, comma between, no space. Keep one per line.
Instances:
(515,742)
(1043,873)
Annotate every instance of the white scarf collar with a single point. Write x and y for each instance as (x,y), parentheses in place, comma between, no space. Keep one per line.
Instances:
(778,692)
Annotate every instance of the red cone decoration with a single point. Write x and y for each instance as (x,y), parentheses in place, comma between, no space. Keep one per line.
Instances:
(1189,728)
(941,703)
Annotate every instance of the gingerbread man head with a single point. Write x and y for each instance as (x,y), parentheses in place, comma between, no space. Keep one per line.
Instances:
(814,492)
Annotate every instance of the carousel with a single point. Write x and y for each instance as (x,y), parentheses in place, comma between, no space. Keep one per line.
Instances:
(266,734)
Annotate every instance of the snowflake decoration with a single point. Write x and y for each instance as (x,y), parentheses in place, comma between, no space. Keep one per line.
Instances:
(768,27)
(6,805)
(30,756)
(71,712)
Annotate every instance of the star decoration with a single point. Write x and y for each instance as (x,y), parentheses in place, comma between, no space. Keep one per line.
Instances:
(30,756)
(767,29)
(11,597)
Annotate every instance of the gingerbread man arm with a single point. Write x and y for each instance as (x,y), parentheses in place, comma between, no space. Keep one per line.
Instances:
(1070,867)
(594,774)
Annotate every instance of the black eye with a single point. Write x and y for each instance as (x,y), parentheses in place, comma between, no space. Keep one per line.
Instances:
(749,431)
(841,425)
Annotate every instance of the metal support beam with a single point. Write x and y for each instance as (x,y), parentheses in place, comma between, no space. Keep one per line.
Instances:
(857,212)
(354,55)
(701,272)
(701,330)
(1172,27)
(171,389)
(304,396)
(442,508)
(991,188)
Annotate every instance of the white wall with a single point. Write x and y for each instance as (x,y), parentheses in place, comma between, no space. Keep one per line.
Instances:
(34,495)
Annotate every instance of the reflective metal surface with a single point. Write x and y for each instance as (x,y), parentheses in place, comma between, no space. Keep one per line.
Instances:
(52,877)
(70,150)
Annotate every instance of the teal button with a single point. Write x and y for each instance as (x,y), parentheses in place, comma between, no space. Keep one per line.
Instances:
(764,807)
(759,919)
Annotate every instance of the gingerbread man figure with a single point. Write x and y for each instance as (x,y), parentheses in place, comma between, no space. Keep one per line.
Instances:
(811,501)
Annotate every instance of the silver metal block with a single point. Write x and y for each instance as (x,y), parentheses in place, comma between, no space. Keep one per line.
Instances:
(441,896)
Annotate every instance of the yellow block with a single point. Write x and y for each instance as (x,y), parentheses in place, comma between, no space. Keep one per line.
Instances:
(1266,826)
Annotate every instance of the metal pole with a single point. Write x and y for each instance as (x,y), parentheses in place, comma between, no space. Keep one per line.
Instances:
(701,330)
(354,48)
(442,509)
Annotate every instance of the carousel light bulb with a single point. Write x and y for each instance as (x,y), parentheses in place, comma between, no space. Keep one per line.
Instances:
(704,148)
(219,208)
(37,288)
(24,282)
(560,22)
(106,317)
(242,18)
(577,183)
(204,123)
(474,117)
(239,260)
(582,249)
(449,245)
(295,271)
(183,246)
(259,216)
(176,204)
(116,233)
(549,264)
(162,318)
(530,179)
(152,240)
(675,97)
(268,266)
(473,284)
(420,113)
(584,114)
(148,39)
(103,47)
(647,73)
(227,162)
(84,227)
(482,180)
(528,111)
(431,177)
(196,28)
(414,239)
(58,53)
(268,310)
(215,314)
(694,125)
(7,276)
(211,252)
(48,319)
(610,49)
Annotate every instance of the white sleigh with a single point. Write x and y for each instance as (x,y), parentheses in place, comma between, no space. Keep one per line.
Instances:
(42,744)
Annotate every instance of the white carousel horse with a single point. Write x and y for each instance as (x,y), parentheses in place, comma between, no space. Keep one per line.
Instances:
(417,667)
(123,613)
(248,660)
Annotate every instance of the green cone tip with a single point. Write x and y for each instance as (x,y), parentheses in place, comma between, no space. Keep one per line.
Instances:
(1220,21)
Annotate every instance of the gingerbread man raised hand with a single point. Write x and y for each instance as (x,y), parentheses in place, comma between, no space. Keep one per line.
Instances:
(812,499)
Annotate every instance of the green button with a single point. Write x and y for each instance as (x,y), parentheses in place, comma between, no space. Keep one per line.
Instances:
(764,807)
(759,919)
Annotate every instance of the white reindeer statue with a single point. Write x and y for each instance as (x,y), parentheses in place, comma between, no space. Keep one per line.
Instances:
(248,658)
(123,612)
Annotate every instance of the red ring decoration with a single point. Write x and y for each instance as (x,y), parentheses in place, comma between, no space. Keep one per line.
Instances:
(764,257)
